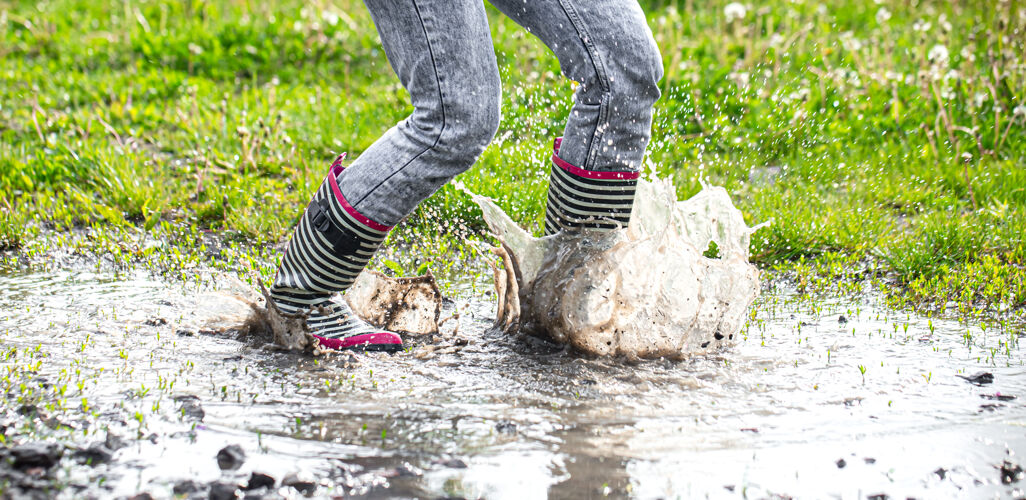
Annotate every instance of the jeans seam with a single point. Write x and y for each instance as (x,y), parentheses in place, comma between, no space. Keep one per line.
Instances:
(441,100)
(600,73)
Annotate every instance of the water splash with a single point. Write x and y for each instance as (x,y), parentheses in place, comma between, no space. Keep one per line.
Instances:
(409,305)
(646,290)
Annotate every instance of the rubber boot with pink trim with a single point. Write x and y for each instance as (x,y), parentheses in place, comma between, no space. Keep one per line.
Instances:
(328,250)
(587,199)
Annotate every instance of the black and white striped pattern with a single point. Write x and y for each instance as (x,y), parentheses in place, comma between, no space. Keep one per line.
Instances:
(328,250)
(580,198)
(334,319)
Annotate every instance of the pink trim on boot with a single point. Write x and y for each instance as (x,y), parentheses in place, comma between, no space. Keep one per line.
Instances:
(337,168)
(370,341)
(587,174)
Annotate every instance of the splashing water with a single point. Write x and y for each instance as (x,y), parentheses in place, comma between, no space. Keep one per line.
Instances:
(408,304)
(643,291)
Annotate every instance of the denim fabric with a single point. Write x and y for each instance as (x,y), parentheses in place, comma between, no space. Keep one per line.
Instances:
(442,52)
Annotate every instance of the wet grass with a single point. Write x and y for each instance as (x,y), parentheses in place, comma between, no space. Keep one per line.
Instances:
(886,141)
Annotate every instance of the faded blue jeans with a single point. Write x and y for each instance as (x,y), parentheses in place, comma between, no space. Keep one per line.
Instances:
(442,52)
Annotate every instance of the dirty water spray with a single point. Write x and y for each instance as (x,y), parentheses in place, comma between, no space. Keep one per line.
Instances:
(644,291)
(647,290)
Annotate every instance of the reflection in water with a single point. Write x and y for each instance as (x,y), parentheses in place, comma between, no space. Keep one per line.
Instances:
(787,411)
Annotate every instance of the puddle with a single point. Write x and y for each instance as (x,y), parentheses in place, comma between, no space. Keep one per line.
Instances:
(509,418)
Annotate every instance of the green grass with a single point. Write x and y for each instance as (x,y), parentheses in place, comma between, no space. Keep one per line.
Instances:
(836,119)
(12,229)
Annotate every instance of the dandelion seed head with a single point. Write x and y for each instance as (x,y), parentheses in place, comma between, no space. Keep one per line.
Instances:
(740,78)
(734,11)
(979,99)
(938,54)
(330,17)
(883,15)
(849,41)
(967,54)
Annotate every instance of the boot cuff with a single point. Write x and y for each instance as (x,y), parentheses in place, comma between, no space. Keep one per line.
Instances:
(333,173)
(587,174)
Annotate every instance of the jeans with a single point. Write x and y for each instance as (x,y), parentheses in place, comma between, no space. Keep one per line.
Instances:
(442,52)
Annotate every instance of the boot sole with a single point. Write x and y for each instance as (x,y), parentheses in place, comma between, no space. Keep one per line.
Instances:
(390,348)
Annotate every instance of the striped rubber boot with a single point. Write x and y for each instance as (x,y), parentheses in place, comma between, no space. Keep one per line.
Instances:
(587,199)
(328,249)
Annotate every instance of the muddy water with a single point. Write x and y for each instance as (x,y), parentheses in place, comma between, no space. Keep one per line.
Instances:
(510,418)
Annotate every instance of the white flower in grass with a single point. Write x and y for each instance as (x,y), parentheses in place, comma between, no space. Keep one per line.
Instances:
(734,11)
(967,54)
(938,54)
(330,17)
(979,99)
(1019,110)
(740,78)
(849,41)
(883,15)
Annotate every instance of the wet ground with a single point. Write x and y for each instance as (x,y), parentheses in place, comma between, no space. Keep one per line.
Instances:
(821,398)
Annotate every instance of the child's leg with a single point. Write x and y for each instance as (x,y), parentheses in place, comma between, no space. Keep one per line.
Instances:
(442,52)
(608,48)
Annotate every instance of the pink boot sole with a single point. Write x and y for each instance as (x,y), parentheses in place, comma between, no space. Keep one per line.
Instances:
(381,341)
